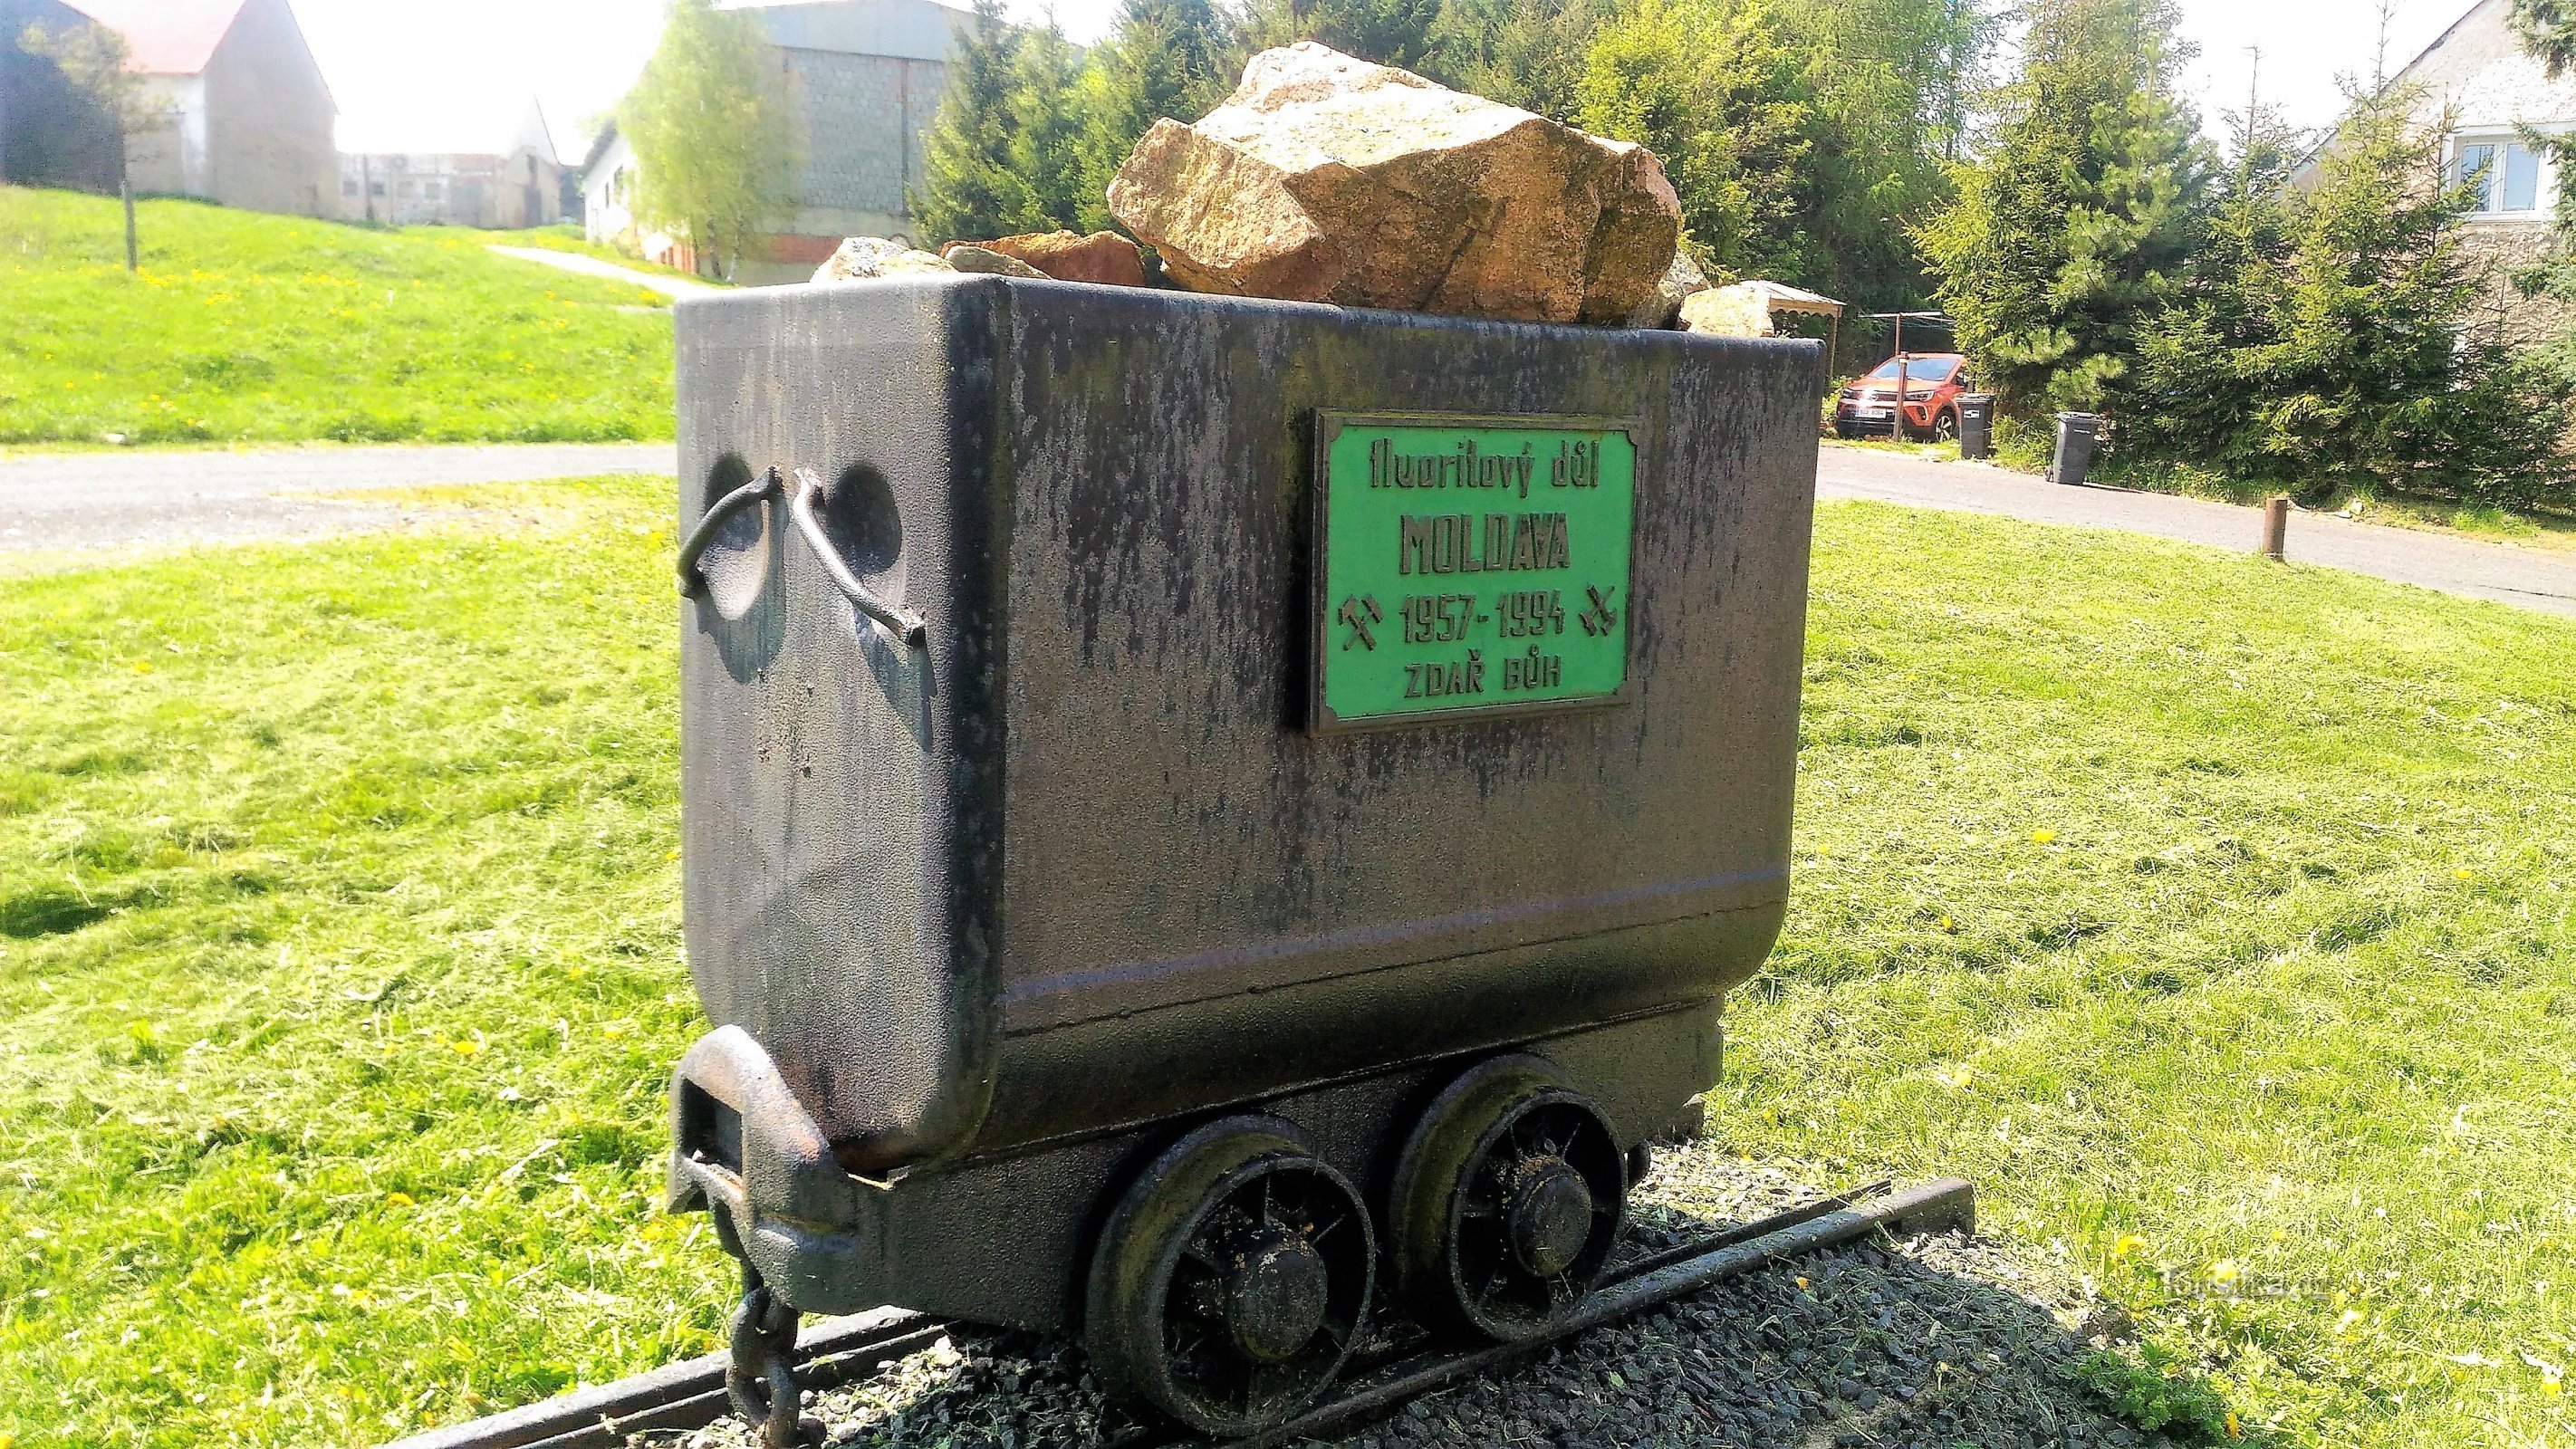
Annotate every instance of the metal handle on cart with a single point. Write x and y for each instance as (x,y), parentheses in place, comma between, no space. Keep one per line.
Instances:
(905,625)
(760,490)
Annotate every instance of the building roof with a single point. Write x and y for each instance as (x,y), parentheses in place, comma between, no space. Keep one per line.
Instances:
(1781,297)
(908,29)
(166,37)
(599,145)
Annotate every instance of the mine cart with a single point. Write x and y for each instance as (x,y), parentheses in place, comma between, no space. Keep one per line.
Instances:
(1207,819)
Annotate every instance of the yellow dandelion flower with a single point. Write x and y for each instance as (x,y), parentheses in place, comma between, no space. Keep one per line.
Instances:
(2234,1429)
(2128,1243)
(2225,1270)
(2042,836)
(2464,873)
(400,1199)
(1949,925)
(465,1047)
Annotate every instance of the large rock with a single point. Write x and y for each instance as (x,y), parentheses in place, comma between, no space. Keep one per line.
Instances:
(1103,256)
(969,257)
(1736,311)
(861,258)
(1681,281)
(1328,179)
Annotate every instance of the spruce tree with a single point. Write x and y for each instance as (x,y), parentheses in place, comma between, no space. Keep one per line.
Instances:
(967,189)
(2072,230)
(1526,53)
(1390,32)
(2548,29)
(1175,58)
(2329,337)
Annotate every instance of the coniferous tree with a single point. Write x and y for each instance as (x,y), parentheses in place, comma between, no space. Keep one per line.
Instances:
(714,145)
(1004,155)
(1390,32)
(966,188)
(1044,152)
(1526,53)
(1175,58)
(2071,231)
(2548,29)
(2328,336)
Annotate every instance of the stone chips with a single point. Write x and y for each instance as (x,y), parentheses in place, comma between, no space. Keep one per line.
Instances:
(1324,178)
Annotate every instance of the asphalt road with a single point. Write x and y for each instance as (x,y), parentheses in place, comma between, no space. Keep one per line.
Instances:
(68,501)
(75,501)
(2534,578)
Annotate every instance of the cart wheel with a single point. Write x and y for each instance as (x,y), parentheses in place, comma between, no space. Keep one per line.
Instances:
(1506,1203)
(1231,1280)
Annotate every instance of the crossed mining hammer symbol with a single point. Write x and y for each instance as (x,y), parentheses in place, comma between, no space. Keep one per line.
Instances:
(1360,612)
(1600,618)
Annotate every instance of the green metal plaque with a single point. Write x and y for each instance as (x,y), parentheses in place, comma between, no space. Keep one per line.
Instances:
(1470,565)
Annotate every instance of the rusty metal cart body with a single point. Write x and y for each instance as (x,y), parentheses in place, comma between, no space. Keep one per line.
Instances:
(1203,813)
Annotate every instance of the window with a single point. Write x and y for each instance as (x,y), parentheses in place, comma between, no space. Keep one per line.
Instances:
(1917,369)
(348,186)
(2503,176)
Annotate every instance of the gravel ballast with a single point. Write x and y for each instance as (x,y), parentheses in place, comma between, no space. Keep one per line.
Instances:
(1938,1341)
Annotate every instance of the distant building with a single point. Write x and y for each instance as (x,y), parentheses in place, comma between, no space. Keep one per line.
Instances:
(249,115)
(506,182)
(608,204)
(2481,89)
(865,79)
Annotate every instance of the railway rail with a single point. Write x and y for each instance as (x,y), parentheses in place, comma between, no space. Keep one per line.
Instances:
(691,1394)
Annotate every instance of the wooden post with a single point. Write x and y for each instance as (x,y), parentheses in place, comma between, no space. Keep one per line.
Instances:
(2276,528)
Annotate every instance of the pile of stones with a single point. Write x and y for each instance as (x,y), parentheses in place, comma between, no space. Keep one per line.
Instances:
(1325,178)
(1930,1342)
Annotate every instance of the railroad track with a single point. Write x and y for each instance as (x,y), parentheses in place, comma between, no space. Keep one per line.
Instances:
(691,1394)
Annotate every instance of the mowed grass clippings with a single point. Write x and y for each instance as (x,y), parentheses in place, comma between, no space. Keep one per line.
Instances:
(339,983)
(2203,911)
(245,327)
(2213,917)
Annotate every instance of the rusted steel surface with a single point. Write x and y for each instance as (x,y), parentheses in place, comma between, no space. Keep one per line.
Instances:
(989,912)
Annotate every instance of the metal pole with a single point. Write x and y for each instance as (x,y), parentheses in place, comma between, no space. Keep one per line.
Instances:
(1896,432)
(2276,528)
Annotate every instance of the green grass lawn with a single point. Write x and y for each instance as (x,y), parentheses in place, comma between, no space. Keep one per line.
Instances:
(244,327)
(2213,916)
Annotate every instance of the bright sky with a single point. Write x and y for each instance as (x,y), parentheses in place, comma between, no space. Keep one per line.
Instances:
(456,74)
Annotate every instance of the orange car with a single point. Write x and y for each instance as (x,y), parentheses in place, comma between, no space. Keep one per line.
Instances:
(1933,382)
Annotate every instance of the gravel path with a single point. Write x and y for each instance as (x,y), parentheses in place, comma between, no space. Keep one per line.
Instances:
(2532,578)
(1934,1342)
(147,497)
(672,287)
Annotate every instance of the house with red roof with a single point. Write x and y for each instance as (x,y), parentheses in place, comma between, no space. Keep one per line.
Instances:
(248,116)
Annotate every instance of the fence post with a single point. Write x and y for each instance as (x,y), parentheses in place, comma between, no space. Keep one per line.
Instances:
(2276,528)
